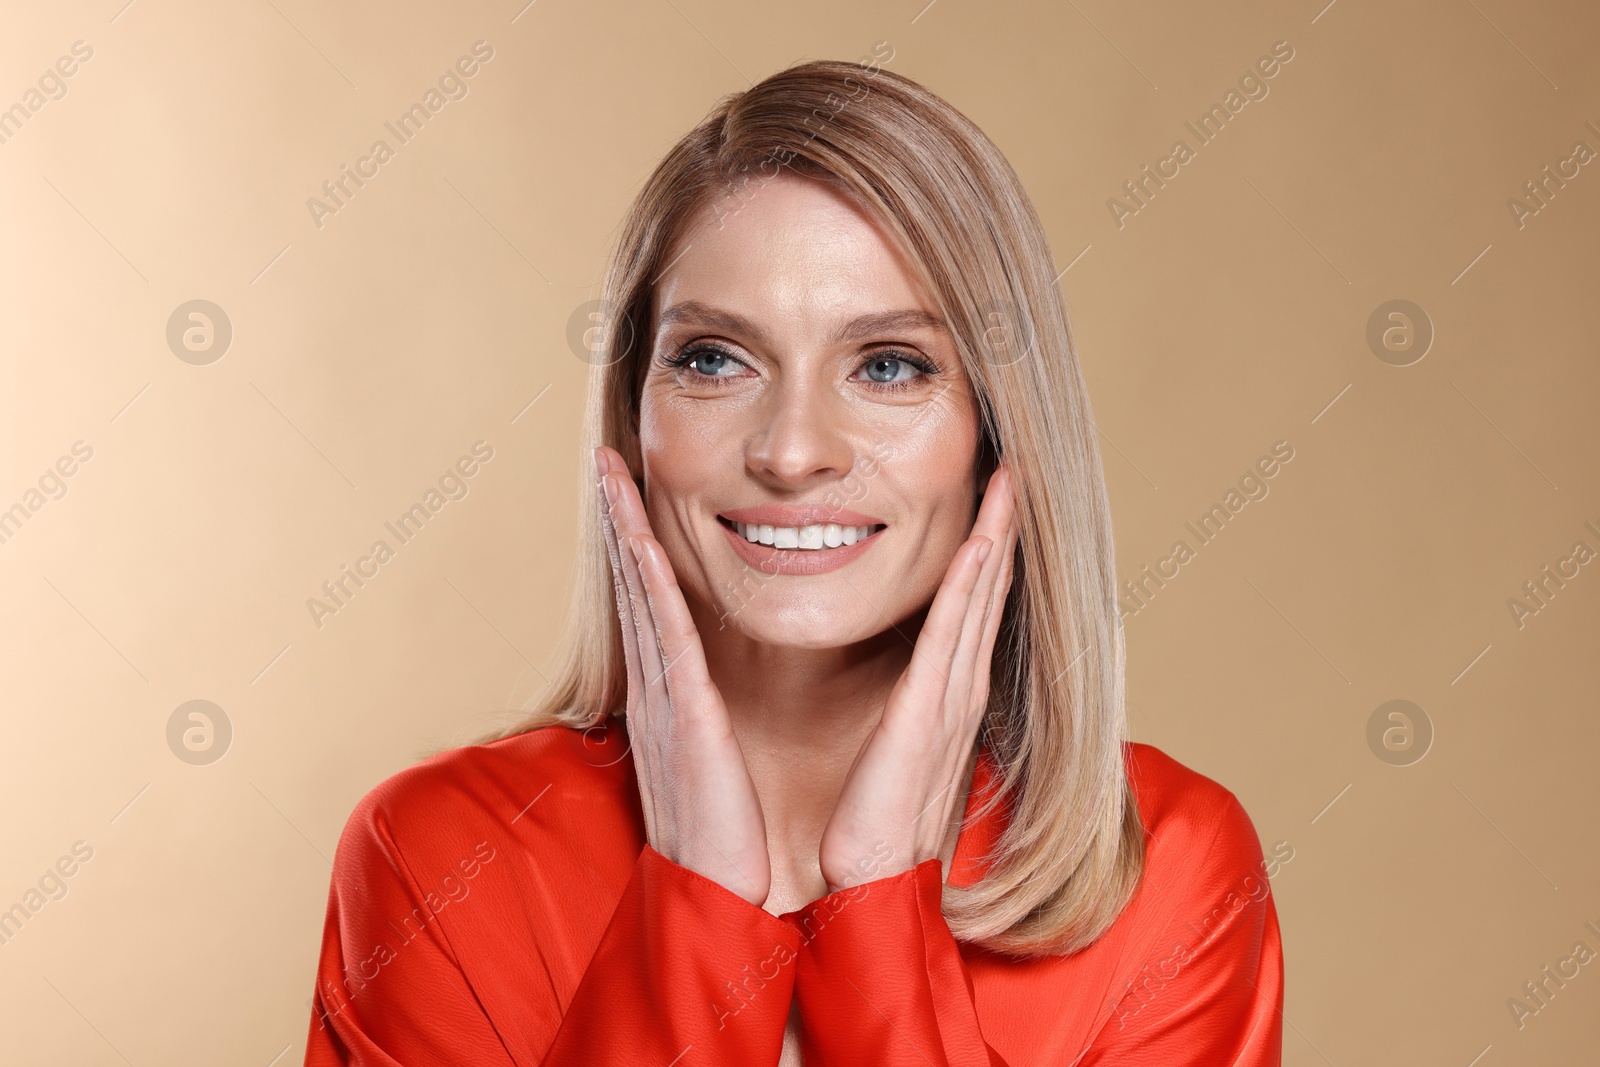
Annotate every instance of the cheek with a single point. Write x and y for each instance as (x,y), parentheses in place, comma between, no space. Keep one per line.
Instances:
(935,498)
(683,473)
(684,433)
(934,474)
(676,445)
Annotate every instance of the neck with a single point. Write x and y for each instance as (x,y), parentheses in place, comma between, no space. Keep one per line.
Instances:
(802,715)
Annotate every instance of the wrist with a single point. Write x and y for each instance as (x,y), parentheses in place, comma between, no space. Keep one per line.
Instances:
(884,861)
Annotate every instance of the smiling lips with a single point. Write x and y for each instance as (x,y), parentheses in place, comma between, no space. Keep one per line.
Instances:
(799,540)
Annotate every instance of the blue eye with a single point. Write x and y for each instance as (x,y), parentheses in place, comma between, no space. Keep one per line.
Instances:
(714,357)
(885,370)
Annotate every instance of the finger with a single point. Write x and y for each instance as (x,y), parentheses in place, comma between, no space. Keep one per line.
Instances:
(992,523)
(969,676)
(685,674)
(627,512)
(996,609)
(1002,505)
(650,640)
(928,676)
(625,613)
(638,717)
(996,507)
(631,599)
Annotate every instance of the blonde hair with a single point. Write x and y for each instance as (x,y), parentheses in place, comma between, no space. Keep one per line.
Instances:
(1073,847)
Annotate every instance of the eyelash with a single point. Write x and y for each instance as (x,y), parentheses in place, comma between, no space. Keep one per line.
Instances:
(701,348)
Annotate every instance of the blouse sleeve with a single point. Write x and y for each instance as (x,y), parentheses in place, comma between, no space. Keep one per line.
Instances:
(1210,993)
(688,971)
(683,964)
(880,978)
(380,999)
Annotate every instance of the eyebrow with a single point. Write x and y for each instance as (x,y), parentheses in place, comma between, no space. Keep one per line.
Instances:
(856,329)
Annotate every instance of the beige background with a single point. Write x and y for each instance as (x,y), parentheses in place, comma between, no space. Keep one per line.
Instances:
(432,311)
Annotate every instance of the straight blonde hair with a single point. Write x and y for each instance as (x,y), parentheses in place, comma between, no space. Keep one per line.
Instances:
(1073,848)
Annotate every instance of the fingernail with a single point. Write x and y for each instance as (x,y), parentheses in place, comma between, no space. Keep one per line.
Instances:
(610,489)
(595,454)
(983,552)
(637,550)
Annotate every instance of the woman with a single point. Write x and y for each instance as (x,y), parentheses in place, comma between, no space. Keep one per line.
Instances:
(834,764)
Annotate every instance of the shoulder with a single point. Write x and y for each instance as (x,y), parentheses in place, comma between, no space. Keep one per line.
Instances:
(1181,803)
(467,798)
(1192,822)
(1197,968)
(1205,891)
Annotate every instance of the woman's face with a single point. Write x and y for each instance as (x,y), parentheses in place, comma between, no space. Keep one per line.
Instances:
(816,384)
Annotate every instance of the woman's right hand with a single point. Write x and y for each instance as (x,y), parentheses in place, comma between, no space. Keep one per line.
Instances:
(700,805)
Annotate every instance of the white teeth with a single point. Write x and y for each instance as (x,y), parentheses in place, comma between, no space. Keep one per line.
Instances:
(817,536)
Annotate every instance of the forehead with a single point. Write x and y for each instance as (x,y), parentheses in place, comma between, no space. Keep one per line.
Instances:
(792,252)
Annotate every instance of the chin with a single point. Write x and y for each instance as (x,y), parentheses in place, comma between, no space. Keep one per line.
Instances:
(795,625)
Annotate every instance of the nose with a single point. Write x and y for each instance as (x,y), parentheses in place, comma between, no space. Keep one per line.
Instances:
(804,437)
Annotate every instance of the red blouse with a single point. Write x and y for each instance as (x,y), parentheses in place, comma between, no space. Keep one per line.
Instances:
(498,905)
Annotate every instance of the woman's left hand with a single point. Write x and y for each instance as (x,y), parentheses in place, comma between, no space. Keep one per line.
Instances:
(899,799)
